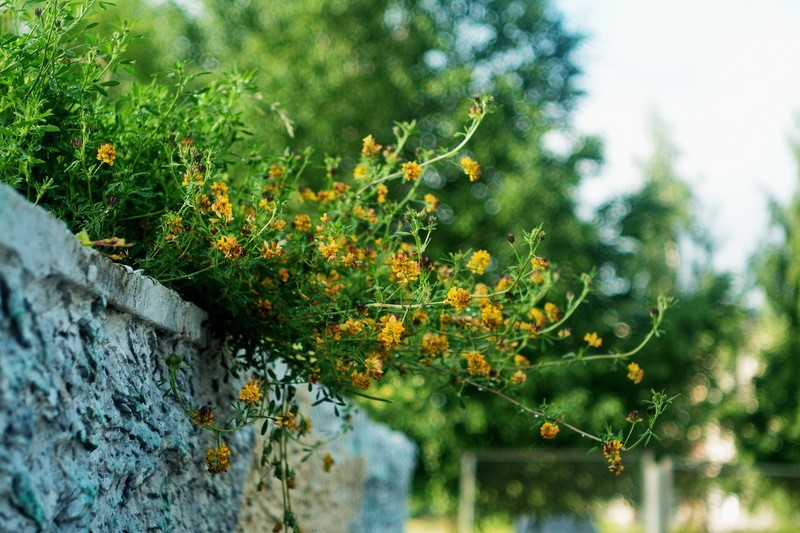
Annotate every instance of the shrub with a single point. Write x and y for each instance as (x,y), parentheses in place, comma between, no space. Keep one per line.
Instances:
(332,279)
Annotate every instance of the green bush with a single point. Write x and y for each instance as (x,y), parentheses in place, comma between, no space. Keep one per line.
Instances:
(333,280)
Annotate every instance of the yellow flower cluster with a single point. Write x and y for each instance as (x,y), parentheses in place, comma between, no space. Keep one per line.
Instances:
(107,154)
(611,450)
(476,364)
(404,269)
(552,311)
(204,416)
(549,430)
(471,168)
(271,249)
(434,344)
(174,227)
(229,246)
(286,421)
(458,298)
(593,340)
(411,171)
(391,332)
(540,263)
(360,172)
(382,190)
(329,249)
(250,393)
(635,373)
(369,147)
(302,223)
(431,203)
(217,459)
(492,316)
(479,261)
(373,371)
(222,203)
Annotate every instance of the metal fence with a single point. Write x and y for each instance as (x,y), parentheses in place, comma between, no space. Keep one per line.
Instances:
(572,492)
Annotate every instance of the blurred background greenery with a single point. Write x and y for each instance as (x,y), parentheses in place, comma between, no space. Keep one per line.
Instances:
(342,69)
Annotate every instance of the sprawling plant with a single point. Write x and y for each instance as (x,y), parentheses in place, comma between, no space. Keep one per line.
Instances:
(321,265)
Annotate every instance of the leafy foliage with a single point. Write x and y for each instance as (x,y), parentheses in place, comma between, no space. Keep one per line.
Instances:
(333,266)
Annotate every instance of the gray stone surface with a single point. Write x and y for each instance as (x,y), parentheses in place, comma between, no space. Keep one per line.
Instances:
(88,443)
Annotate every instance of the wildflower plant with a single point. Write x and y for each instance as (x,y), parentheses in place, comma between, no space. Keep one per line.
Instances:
(320,265)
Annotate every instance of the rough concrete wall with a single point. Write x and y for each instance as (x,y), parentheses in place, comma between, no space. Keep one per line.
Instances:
(88,441)
(366,490)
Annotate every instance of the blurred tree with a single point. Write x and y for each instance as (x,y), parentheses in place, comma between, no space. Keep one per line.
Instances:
(657,245)
(772,430)
(650,243)
(347,68)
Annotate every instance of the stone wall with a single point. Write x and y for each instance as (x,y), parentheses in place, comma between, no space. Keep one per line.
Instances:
(89,443)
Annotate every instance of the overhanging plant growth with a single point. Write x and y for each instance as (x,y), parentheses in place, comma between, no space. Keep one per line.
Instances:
(319,263)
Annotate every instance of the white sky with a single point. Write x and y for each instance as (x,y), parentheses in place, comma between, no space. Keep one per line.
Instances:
(723,75)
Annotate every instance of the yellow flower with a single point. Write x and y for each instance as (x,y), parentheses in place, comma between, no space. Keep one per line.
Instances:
(476,364)
(374,367)
(360,380)
(431,203)
(471,168)
(504,283)
(433,344)
(229,246)
(593,340)
(491,316)
(519,377)
(329,250)
(271,249)
(391,332)
(264,307)
(283,274)
(549,430)
(540,263)
(419,316)
(411,171)
(276,171)
(302,223)
(635,373)
(479,261)
(369,147)
(538,317)
(521,360)
(217,459)
(286,421)
(219,188)
(250,393)
(612,449)
(327,462)
(553,313)
(204,416)
(382,192)
(404,269)
(107,154)
(360,171)
(458,298)
(222,207)
(174,227)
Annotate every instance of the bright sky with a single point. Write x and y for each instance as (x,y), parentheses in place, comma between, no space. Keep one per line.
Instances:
(724,75)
